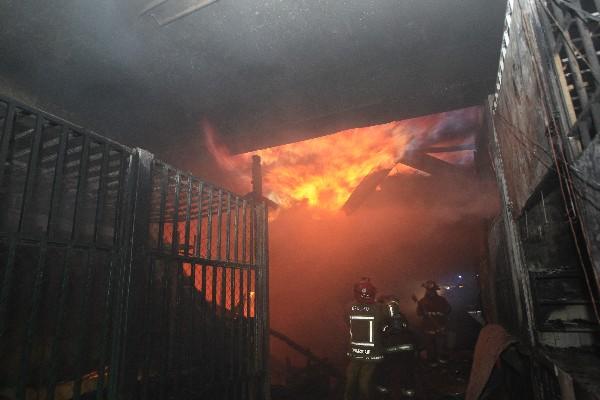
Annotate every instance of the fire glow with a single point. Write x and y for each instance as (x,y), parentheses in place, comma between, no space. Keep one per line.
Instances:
(323,172)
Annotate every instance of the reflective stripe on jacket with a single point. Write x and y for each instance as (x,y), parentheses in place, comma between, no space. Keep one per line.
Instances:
(365,322)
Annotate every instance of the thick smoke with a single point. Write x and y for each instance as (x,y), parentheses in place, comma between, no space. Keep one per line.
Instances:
(414,228)
(430,231)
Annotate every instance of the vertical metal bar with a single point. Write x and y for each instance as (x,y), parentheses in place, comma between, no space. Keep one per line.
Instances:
(31,177)
(108,303)
(82,328)
(165,336)
(244,228)
(205,354)
(228,230)
(101,191)
(256,178)
(57,181)
(7,134)
(178,331)
(191,351)
(246,293)
(232,324)
(188,211)
(241,323)
(59,325)
(214,333)
(245,315)
(150,329)
(135,266)
(252,246)
(7,284)
(175,233)
(199,220)
(118,229)
(219,223)
(223,315)
(265,301)
(163,200)
(36,298)
(81,185)
(209,227)
(215,325)
(123,242)
(236,232)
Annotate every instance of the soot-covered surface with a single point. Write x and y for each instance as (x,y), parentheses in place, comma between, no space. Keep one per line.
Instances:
(263,72)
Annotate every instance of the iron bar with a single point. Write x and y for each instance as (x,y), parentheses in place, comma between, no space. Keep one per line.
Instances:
(219,340)
(177,331)
(59,325)
(186,250)
(198,240)
(7,134)
(101,192)
(108,303)
(83,327)
(191,342)
(7,284)
(165,333)
(236,231)
(124,241)
(163,200)
(203,318)
(150,329)
(215,336)
(175,232)
(57,181)
(125,161)
(31,177)
(81,186)
(209,227)
(36,298)
(228,230)
(219,225)
(244,227)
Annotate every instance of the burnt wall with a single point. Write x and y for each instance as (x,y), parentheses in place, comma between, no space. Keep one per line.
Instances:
(520,117)
(545,246)
(586,173)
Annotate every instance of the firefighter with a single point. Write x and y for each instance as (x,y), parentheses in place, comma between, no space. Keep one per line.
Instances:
(397,372)
(366,320)
(434,310)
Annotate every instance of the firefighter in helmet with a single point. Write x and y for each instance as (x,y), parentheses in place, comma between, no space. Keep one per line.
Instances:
(396,375)
(434,310)
(366,319)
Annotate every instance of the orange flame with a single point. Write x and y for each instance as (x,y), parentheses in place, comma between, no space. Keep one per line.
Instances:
(323,172)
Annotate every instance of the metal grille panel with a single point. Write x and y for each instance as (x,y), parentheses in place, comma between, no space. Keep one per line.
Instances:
(122,277)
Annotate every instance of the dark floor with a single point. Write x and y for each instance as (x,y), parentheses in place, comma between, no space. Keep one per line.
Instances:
(442,382)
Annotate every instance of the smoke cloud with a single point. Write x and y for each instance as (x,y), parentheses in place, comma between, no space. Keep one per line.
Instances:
(414,228)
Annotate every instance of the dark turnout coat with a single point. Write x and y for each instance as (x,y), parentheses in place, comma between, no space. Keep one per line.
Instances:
(434,310)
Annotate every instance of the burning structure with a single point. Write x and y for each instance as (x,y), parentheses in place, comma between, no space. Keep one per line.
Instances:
(466,141)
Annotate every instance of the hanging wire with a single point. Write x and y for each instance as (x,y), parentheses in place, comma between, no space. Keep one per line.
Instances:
(565,181)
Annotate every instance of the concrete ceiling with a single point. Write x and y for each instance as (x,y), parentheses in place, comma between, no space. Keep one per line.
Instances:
(262,72)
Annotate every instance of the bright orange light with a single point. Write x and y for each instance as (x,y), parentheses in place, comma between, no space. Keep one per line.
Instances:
(323,172)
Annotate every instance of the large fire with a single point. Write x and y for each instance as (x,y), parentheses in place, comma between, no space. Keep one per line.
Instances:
(323,172)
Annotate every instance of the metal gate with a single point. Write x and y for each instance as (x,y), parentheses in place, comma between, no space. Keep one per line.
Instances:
(122,277)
